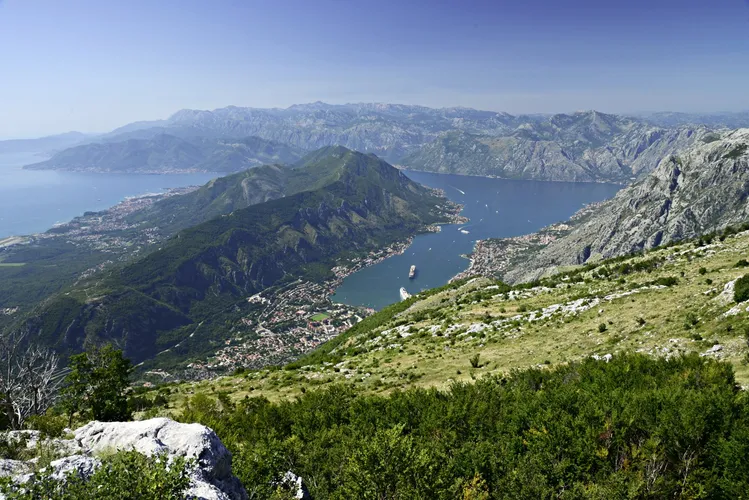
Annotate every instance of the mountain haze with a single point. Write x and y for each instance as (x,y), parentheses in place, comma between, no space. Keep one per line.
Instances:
(587,146)
(165,153)
(48,144)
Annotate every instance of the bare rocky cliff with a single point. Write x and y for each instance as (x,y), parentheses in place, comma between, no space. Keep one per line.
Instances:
(702,189)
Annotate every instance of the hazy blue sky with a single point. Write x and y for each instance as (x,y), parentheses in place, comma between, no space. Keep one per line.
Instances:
(93,65)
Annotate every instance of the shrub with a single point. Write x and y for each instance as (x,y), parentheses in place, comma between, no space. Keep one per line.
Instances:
(124,475)
(690,320)
(13,449)
(703,270)
(96,385)
(475,360)
(741,289)
(741,263)
(49,425)
(666,281)
(570,426)
(736,152)
(602,327)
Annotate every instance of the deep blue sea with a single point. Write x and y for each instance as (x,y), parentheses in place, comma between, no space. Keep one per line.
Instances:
(33,201)
(496,208)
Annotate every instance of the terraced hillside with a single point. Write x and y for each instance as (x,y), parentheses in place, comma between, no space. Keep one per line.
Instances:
(672,300)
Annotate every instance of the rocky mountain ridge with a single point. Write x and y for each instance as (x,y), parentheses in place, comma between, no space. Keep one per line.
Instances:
(49,144)
(584,147)
(699,190)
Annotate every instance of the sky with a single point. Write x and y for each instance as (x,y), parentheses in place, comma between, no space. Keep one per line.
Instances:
(94,65)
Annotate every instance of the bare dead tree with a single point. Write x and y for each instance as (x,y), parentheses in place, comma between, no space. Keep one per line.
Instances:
(29,378)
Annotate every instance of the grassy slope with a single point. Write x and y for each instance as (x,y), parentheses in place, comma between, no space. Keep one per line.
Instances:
(395,349)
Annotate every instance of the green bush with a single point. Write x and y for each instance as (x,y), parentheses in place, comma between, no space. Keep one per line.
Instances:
(49,425)
(13,449)
(736,152)
(475,360)
(124,476)
(602,327)
(666,281)
(578,428)
(741,263)
(690,320)
(741,289)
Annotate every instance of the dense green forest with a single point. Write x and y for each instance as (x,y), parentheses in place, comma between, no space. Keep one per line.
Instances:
(635,427)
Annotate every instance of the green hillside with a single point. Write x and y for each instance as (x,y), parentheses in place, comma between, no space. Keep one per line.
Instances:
(202,276)
(667,302)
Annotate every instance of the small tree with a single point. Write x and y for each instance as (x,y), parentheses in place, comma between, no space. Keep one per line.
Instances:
(741,289)
(97,383)
(29,378)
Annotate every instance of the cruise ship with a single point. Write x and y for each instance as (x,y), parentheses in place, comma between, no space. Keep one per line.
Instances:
(404,294)
(412,272)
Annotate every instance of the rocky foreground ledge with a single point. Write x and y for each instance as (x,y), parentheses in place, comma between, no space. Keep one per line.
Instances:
(211,479)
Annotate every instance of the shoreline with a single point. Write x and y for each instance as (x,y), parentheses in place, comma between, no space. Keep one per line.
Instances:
(399,247)
(409,169)
(125,205)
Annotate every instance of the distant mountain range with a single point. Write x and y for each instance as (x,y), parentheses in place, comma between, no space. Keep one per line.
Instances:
(337,203)
(736,119)
(48,144)
(164,153)
(585,146)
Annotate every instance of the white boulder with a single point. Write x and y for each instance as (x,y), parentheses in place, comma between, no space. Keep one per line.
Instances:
(211,478)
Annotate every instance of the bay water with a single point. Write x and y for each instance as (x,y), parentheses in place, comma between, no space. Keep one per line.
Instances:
(497,208)
(33,201)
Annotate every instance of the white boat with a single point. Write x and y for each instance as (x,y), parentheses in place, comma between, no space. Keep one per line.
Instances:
(404,294)
(412,272)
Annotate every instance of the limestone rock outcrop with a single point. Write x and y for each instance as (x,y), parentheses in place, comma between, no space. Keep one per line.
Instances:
(211,478)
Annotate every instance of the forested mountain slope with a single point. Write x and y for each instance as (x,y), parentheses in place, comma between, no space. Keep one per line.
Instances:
(357,203)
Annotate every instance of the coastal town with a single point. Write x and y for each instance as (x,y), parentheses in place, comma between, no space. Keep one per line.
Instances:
(112,230)
(289,321)
(493,257)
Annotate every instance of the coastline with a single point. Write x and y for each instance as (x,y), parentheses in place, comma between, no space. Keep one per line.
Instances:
(489,176)
(493,257)
(453,216)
